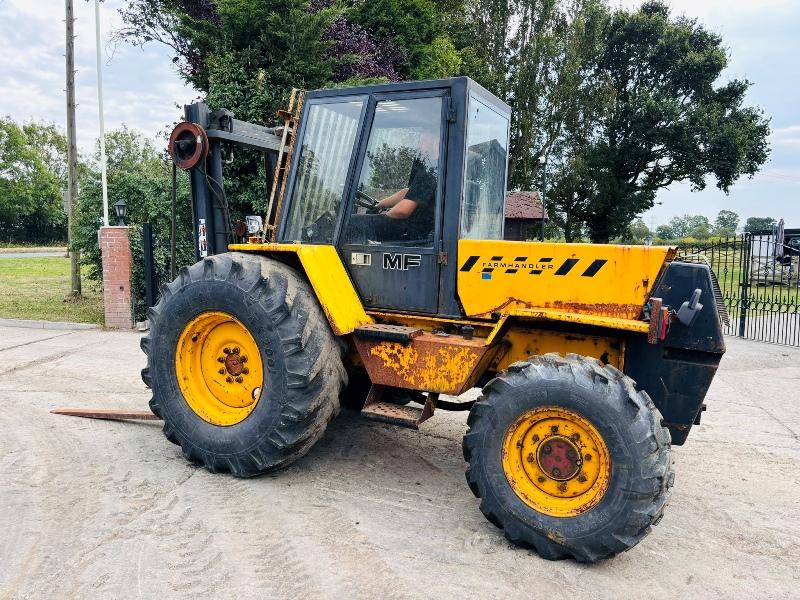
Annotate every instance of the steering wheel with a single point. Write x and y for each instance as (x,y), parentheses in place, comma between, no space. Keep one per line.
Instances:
(366,201)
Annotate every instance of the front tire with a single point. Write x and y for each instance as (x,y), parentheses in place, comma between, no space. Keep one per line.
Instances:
(244,369)
(568,458)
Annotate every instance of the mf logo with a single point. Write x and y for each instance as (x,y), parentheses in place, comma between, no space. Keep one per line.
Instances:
(401,262)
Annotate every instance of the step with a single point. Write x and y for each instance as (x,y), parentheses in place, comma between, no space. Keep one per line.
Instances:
(395,414)
(388,333)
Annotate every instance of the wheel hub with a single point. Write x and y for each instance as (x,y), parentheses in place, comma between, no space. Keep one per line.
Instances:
(234,362)
(556,461)
(559,458)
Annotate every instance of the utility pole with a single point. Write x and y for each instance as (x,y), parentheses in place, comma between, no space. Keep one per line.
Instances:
(103,178)
(72,154)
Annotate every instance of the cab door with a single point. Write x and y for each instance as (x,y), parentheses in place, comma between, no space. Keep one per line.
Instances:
(392,230)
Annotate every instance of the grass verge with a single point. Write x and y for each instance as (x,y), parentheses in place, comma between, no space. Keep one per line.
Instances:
(38,288)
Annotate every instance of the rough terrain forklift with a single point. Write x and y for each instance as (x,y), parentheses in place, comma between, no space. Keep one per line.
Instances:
(379,278)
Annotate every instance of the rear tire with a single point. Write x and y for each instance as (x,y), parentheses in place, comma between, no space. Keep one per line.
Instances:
(299,357)
(635,486)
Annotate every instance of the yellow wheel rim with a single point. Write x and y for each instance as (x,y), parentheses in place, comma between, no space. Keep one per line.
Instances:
(219,368)
(556,461)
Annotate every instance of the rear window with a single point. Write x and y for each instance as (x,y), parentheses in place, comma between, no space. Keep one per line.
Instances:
(485,173)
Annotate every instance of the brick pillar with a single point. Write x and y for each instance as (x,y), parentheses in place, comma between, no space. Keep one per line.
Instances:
(115,247)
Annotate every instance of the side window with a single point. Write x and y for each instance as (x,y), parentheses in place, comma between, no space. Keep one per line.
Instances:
(327,148)
(485,173)
(397,187)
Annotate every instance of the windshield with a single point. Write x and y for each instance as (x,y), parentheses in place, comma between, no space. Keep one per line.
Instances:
(485,173)
(324,159)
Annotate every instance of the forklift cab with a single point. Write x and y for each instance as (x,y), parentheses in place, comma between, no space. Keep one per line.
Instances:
(394,175)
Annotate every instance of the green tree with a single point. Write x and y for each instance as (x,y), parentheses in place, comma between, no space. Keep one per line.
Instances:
(416,28)
(726,223)
(666,232)
(31,200)
(665,118)
(699,227)
(637,233)
(759,224)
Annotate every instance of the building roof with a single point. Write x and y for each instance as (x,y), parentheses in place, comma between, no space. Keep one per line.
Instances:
(524,205)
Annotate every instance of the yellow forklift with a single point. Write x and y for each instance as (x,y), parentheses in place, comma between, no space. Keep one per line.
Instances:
(379,279)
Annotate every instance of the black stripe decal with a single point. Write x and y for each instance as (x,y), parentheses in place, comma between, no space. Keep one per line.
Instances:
(496,258)
(521,259)
(469,263)
(511,270)
(594,268)
(546,259)
(488,270)
(536,271)
(567,266)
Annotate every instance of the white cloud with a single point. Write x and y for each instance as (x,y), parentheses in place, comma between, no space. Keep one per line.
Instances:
(141,87)
(786,136)
(725,9)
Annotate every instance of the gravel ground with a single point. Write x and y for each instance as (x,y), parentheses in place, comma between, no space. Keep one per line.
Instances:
(109,510)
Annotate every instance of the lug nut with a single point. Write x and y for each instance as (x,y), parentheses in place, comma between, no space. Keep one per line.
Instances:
(236,350)
(562,487)
(575,437)
(220,359)
(222,371)
(530,457)
(587,457)
(540,479)
(556,472)
(229,379)
(554,428)
(547,449)
(243,358)
(535,438)
(239,379)
(226,350)
(245,370)
(582,478)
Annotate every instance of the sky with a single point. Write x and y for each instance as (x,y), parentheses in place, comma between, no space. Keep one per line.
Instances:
(143,90)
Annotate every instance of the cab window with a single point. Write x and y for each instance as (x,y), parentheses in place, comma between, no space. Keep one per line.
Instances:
(396,195)
(323,163)
(485,173)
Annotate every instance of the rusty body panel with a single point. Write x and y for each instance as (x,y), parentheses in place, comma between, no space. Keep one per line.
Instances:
(430,362)
(522,342)
(544,314)
(453,364)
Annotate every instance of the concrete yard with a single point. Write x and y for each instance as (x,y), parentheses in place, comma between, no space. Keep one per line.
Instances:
(112,510)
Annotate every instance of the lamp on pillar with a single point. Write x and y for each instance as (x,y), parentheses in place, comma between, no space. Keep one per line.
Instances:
(122,212)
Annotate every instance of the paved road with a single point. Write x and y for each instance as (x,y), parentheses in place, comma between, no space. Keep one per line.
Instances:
(107,510)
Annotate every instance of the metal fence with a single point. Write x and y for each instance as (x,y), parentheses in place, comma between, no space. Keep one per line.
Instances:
(757,284)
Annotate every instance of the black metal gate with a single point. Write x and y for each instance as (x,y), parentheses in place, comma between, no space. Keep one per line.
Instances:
(758,285)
